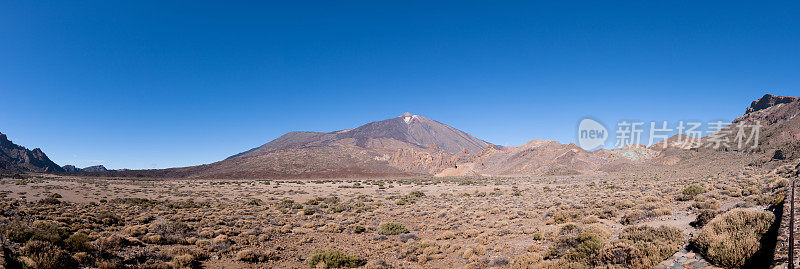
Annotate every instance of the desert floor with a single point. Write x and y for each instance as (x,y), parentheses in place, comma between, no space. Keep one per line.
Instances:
(450,222)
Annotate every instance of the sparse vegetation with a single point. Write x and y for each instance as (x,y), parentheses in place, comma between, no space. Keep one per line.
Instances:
(573,225)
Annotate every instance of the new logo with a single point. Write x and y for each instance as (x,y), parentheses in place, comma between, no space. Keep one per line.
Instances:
(591,134)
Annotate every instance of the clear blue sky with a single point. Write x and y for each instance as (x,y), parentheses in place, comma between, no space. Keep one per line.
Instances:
(154,84)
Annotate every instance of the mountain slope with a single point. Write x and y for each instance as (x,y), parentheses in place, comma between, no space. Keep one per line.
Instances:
(780,131)
(290,139)
(15,158)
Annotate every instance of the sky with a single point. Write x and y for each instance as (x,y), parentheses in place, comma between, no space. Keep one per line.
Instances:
(156,84)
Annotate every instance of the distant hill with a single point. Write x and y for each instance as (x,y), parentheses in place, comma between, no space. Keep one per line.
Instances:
(90,169)
(15,158)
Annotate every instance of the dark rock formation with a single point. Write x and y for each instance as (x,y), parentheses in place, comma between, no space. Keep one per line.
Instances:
(769,100)
(15,158)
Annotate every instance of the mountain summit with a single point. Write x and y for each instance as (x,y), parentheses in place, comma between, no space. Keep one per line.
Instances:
(416,130)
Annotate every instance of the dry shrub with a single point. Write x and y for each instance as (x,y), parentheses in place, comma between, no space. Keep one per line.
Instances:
(535,261)
(49,201)
(78,242)
(690,192)
(183,261)
(17,231)
(703,218)
(48,231)
(565,216)
(654,244)
(591,219)
(135,230)
(392,228)
(632,217)
(255,255)
(332,258)
(623,254)
(107,264)
(708,203)
(108,218)
(112,242)
(170,231)
(45,255)
(580,244)
(732,238)
(82,258)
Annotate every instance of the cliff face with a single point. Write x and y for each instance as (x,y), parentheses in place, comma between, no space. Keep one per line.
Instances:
(15,158)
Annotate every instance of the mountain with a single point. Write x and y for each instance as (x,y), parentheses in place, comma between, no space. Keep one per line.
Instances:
(90,169)
(406,145)
(414,130)
(15,158)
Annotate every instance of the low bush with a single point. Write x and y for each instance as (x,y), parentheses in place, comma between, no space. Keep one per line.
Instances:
(170,231)
(255,255)
(48,231)
(49,201)
(703,218)
(332,258)
(709,203)
(564,216)
(255,202)
(690,192)
(340,208)
(78,242)
(732,238)
(359,229)
(392,228)
(623,254)
(17,231)
(580,244)
(111,243)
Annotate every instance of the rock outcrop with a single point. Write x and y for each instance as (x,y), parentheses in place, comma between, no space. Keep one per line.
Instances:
(769,100)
